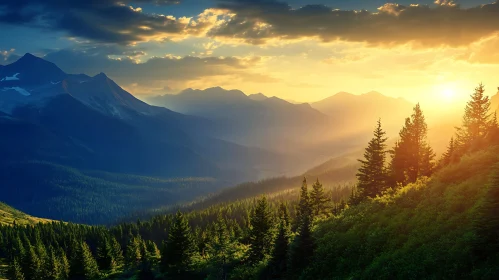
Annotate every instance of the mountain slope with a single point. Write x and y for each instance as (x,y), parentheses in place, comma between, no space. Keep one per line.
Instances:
(421,231)
(92,197)
(9,216)
(270,123)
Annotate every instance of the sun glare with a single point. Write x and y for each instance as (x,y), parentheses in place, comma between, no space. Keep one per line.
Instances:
(448,94)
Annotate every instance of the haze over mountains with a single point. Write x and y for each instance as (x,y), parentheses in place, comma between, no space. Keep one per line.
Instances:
(71,124)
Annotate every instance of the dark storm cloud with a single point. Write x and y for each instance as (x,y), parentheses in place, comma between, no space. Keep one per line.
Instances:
(256,21)
(99,20)
(125,69)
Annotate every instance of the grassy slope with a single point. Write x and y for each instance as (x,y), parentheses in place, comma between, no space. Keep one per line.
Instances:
(422,231)
(9,215)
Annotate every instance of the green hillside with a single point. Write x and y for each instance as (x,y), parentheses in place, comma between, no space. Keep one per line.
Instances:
(421,231)
(92,197)
(10,216)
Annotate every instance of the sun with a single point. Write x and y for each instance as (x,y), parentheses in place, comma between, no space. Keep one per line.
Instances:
(448,94)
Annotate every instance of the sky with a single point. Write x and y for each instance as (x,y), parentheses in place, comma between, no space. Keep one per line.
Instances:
(433,52)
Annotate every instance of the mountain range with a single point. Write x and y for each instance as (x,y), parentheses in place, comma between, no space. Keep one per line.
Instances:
(57,127)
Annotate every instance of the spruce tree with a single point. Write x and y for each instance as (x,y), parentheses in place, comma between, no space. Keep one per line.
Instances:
(117,253)
(153,254)
(476,122)
(304,208)
(133,252)
(493,131)
(412,157)
(279,258)
(54,268)
(84,266)
(302,249)
(105,258)
(449,155)
(65,267)
(32,265)
(372,172)
(220,247)
(260,235)
(180,249)
(318,200)
(15,271)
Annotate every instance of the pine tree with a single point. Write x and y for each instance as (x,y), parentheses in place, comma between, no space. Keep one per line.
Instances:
(493,130)
(54,268)
(133,252)
(220,247)
(65,267)
(476,122)
(105,258)
(318,199)
(302,249)
(153,254)
(31,265)
(412,157)
(179,250)
(84,266)
(304,207)
(117,252)
(15,271)
(449,156)
(372,172)
(281,245)
(17,248)
(260,235)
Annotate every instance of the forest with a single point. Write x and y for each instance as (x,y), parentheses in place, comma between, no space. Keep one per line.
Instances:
(409,216)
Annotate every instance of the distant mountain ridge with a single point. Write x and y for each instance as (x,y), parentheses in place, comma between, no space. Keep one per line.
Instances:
(352,112)
(252,120)
(84,115)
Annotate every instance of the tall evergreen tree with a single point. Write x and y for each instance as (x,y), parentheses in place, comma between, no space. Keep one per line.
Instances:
(304,206)
(15,271)
(105,258)
(179,251)
(153,254)
(302,249)
(32,265)
(65,267)
(133,252)
(449,156)
(220,247)
(372,172)
(117,252)
(412,156)
(84,266)
(493,131)
(476,122)
(54,267)
(260,235)
(279,258)
(319,200)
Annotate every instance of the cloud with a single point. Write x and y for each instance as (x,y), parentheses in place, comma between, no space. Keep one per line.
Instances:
(99,20)
(156,72)
(443,24)
(8,56)
(259,22)
(483,51)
